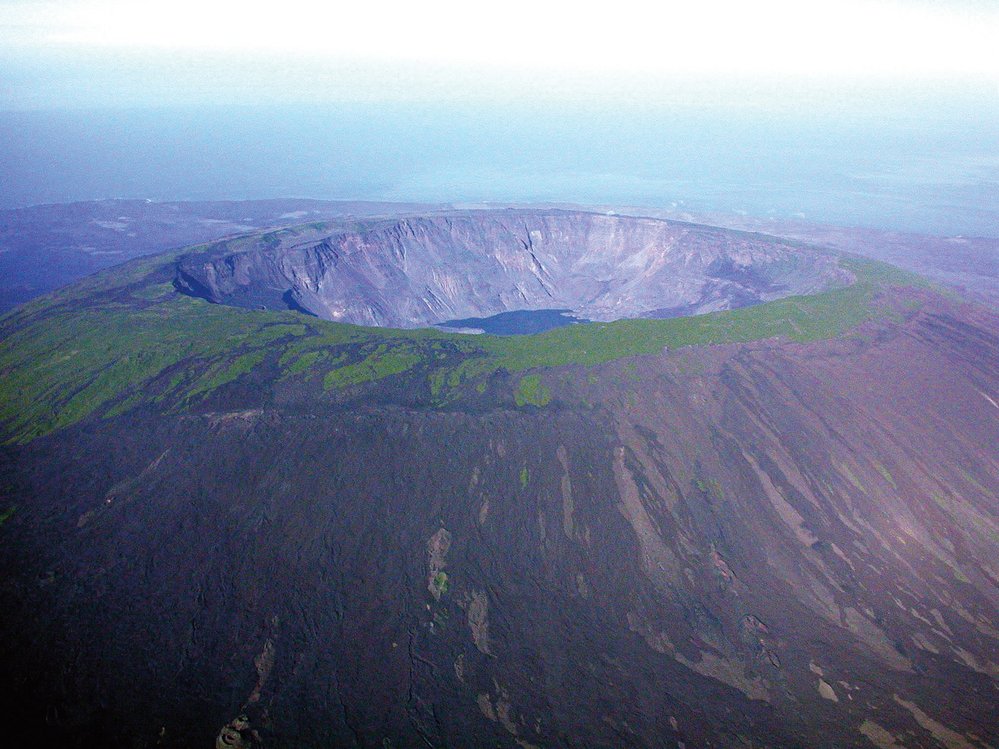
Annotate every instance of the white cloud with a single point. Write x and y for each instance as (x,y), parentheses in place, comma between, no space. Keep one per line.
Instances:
(846,38)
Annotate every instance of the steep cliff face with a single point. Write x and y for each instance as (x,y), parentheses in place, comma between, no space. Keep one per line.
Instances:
(421,271)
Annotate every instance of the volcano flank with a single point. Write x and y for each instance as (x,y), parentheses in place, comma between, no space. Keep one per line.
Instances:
(248,495)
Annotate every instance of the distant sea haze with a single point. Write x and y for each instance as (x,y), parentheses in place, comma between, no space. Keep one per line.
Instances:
(936,177)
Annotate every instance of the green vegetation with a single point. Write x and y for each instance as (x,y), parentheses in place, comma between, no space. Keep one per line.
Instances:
(61,364)
(303,363)
(124,338)
(441,584)
(225,372)
(7,514)
(525,477)
(382,362)
(530,391)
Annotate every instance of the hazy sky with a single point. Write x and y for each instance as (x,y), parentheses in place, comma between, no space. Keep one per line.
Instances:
(880,112)
(83,52)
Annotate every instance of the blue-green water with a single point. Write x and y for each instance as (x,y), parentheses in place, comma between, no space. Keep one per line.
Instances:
(517,322)
(936,176)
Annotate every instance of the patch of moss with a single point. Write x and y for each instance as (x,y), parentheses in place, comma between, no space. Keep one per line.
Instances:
(305,362)
(440,584)
(226,372)
(383,362)
(530,391)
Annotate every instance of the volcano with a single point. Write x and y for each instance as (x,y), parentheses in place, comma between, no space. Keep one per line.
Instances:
(250,497)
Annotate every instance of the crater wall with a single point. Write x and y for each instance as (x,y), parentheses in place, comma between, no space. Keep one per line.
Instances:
(419,271)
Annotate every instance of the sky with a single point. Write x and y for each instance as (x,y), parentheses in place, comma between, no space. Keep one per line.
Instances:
(110,52)
(875,112)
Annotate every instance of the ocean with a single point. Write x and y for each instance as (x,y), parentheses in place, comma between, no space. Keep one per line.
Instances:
(935,174)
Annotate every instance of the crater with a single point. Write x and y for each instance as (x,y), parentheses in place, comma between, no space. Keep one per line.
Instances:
(465,267)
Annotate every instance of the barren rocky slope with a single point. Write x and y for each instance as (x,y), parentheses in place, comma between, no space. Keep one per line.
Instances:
(774,526)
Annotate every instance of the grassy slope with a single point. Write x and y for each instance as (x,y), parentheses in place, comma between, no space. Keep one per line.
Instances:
(126,336)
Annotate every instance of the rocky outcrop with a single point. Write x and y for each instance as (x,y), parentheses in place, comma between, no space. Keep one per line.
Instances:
(425,270)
